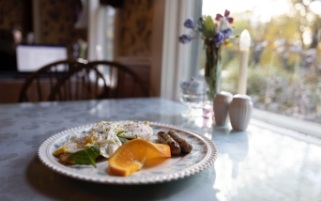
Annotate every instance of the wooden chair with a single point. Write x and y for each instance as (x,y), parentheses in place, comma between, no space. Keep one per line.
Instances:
(39,84)
(100,79)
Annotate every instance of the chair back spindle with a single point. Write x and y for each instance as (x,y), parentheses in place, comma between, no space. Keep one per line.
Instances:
(39,84)
(100,79)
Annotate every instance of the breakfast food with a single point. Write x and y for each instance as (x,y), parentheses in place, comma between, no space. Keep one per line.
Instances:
(185,146)
(177,144)
(133,156)
(165,138)
(103,139)
(128,145)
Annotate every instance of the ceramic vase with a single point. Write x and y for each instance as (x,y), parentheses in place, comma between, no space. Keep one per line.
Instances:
(240,112)
(221,106)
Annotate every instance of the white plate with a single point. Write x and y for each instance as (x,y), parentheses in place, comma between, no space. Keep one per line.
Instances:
(203,155)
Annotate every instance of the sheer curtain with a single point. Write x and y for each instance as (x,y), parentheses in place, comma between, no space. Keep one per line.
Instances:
(179,62)
(100,31)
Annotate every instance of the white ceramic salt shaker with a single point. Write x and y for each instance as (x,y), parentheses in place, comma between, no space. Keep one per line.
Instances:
(221,106)
(240,112)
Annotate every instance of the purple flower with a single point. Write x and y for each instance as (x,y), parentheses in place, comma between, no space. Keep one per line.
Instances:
(226,16)
(185,38)
(227,33)
(218,38)
(189,24)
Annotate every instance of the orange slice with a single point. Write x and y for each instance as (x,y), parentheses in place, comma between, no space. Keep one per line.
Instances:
(134,154)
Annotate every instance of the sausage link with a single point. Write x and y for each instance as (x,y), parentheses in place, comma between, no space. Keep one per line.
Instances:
(185,146)
(167,139)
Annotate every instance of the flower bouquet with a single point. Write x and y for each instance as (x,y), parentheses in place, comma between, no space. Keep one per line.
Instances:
(214,34)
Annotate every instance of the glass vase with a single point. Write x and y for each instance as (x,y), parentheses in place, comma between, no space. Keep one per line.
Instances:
(212,70)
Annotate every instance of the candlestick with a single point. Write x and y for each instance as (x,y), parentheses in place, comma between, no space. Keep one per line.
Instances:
(245,42)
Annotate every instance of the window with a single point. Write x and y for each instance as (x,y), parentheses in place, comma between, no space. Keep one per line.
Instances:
(285,65)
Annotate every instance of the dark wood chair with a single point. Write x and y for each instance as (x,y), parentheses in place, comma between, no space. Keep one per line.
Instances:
(39,84)
(100,79)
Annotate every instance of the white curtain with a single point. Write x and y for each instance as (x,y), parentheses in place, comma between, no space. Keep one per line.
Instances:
(180,62)
(101,19)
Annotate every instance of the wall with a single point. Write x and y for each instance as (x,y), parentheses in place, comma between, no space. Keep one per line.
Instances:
(134,34)
(56,23)
(135,20)
(16,13)
(55,19)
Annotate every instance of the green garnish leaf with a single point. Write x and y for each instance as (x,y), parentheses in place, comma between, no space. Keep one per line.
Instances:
(86,156)
(122,139)
(120,132)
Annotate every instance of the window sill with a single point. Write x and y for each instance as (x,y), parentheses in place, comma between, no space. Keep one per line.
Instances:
(308,128)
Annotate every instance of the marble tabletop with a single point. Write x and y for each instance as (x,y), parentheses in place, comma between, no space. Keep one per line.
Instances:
(264,163)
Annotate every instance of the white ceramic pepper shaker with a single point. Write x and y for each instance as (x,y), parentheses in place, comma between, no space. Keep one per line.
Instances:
(240,112)
(221,107)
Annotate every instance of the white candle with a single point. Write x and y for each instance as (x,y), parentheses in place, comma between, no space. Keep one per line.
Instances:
(245,42)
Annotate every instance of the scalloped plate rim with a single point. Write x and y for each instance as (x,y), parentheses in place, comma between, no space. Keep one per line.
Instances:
(46,158)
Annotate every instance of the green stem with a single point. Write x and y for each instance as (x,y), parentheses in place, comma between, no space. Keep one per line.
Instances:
(212,69)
